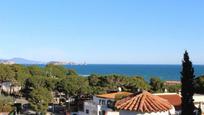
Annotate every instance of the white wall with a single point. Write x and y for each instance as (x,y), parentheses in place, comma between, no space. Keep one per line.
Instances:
(91,107)
(199,101)
(102,106)
(112,113)
(94,107)
(97,99)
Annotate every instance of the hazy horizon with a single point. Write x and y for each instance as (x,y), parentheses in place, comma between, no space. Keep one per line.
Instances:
(45,62)
(102,32)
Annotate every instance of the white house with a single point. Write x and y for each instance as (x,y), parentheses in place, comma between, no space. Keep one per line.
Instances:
(102,104)
(9,88)
(199,101)
(174,99)
(144,103)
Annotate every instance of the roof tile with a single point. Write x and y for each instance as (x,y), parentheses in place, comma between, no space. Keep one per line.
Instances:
(143,102)
(113,95)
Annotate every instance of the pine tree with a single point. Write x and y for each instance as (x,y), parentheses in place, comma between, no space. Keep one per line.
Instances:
(187,90)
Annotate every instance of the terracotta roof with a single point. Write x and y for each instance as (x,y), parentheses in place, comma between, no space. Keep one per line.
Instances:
(143,102)
(112,95)
(172,82)
(174,99)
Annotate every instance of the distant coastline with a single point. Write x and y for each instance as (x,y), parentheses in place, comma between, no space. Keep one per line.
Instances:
(165,72)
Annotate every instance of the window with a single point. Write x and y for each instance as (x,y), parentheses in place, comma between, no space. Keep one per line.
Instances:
(100,102)
(103,102)
(87,111)
(110,104)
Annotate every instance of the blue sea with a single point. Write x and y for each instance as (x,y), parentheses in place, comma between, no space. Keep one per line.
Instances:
(165,72)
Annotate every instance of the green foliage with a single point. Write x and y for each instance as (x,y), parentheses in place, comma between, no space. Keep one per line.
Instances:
(173,88)
(21,73)
(36,82)
(39,99)
(120,96)
(157,85)
(58,71)
(34,76)
(94,80)
(50,83)
(6,103)
(35,70)
(199,85)
(187,88)
(102,83)
(97,90)
(73,86)
(135,83)
(21,78)
(6,73)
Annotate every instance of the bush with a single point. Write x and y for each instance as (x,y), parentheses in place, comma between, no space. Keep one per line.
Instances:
(173,88)
(6,103)
(199,85)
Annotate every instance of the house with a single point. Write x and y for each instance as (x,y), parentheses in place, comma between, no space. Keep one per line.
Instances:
(174,99)
(102,104)
(9,88)
(144,103)
(199,101)
(172,83)
(58,97)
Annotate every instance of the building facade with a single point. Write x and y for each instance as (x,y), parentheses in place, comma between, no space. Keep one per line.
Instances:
(102,104)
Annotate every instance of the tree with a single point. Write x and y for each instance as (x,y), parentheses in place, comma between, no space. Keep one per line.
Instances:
(74,86)
(6,103)
(173,88)
(39,99)
(106,83)
(199,85)
(93,80)
(187,88)
(157,85)
(28,87)
(134,83)
(35,70)
(50,83)
(58,71)
(6,73)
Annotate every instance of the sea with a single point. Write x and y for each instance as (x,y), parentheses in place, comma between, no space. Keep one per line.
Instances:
(164,72)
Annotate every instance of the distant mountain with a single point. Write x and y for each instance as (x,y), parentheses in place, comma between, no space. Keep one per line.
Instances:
(25,61)
(20,61)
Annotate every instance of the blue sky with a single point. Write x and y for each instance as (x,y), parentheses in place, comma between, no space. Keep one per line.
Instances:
(103,31)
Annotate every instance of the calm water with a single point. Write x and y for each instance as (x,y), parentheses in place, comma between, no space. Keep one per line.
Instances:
(165,72)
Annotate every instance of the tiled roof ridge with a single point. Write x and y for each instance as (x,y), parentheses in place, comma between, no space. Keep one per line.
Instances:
(143,102)
(112,95)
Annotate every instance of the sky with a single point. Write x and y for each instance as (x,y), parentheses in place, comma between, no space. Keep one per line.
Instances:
(103,31)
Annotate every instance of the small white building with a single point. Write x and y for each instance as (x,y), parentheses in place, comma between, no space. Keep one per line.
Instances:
(102,104)
(199,101)
(9,88)
(144,103)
